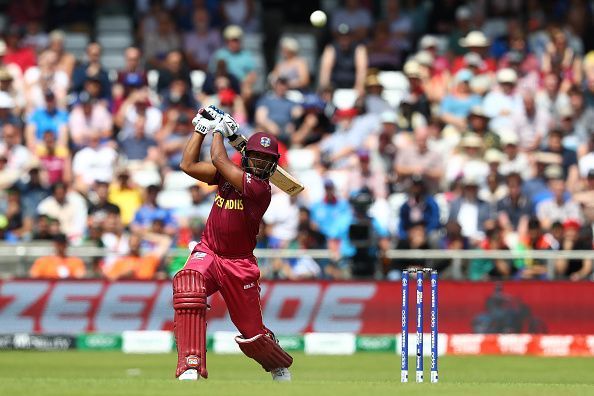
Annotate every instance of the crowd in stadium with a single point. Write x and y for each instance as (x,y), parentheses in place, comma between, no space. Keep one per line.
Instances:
(417,125)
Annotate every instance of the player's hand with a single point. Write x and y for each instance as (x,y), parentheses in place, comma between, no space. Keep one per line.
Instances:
(202,123)
(226,126)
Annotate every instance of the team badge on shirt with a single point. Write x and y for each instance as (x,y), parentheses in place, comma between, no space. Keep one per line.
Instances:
(265,141)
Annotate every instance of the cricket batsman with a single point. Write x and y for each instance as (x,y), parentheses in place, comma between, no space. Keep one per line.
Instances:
(224,260)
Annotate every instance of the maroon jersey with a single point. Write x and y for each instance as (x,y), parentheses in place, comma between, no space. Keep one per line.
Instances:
(235,218)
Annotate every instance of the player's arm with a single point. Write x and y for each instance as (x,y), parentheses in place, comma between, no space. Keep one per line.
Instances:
(190,162)
(230,172)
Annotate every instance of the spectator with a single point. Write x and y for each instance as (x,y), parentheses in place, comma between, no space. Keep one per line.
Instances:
(66,61)
(241,13)
(456,106)
(483,269)
(133,76)
(32,192)
(469,211)
(60,265)
(478,123)
(100,206)
(384,51)
(292,67)
(514,210)
(586,161)
(355,15)
(151,211)
(568,157)
(420,159)
(48,118)
(313,124)
(201,42)
(136,105)
(16,51)
(88,117)
(505,104)
(549,98)
(418,207)
(55,159)
(69,208)
(365,241)
(515,161)
(367,175)
(115,240)
(275,112)
(18,157)
(17,226)
(329,215)
(557,208)
(414,73)
(158,44)
(6,110)
(136,265)
(534,239)
(43,229)
(462,16)
(92,69)
(125,195)
(562,59)
(239,62)
(140,148)
(344,62)
(583,117)
(576,237)
(409,116)
(199,208)
(468,161)
(281,219)
(475,42)
(173,68)
(373,101)
(45,76)
(417,239)
(95,162)
(15,100)
(532,125)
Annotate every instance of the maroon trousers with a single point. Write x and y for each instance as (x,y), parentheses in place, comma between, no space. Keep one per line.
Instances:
(237,280)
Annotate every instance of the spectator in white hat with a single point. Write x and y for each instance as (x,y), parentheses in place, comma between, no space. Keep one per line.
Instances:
(475,42)
(515,161)
(240,62)
(504,104)
(478,123)
(467,160)
(470,211)
(292,67)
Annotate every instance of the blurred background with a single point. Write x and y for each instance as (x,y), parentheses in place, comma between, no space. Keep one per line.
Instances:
(445,134)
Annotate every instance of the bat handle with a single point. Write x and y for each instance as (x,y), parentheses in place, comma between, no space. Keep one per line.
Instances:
(205,114)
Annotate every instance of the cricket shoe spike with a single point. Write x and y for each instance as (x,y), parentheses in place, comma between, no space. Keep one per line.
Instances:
(281,374)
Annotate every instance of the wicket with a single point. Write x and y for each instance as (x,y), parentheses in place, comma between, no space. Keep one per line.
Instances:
(419,329)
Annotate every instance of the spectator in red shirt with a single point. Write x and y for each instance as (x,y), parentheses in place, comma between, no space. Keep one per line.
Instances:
(23,57)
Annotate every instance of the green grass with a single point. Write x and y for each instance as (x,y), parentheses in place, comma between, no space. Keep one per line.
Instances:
(365,374)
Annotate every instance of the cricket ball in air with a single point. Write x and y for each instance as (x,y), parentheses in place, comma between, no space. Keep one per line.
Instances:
(318,18)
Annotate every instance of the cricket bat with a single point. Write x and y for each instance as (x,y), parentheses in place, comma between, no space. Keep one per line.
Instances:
(280,178)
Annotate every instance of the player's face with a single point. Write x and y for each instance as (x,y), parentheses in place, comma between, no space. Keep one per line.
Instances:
(260,164)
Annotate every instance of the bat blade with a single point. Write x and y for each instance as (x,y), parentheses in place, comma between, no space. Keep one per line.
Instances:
(281,178)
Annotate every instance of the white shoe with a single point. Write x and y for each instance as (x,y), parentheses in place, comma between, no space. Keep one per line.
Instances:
(189,375)
(281,374)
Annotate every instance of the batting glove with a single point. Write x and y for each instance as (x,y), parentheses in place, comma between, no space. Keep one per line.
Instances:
(204,122)
(226,126)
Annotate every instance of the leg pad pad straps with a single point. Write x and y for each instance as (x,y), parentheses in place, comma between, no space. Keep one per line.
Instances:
(189,302)
(265,350)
